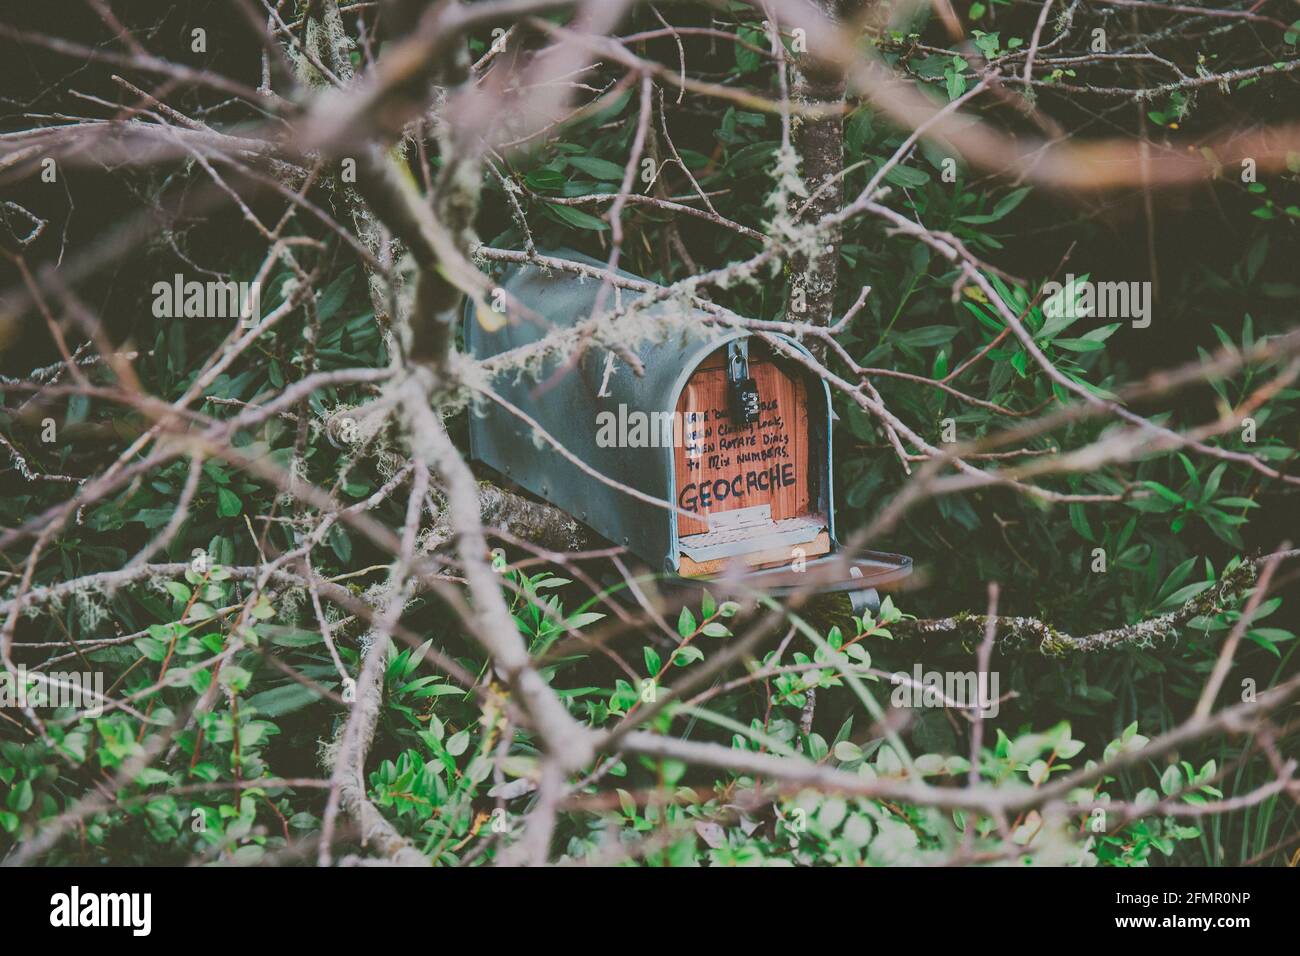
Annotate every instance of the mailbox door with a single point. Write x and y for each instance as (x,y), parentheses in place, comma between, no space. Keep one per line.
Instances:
(750,487)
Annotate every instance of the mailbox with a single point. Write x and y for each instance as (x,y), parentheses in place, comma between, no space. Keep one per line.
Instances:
(734,434)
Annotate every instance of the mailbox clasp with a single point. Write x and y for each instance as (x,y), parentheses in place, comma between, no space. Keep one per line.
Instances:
(742,390)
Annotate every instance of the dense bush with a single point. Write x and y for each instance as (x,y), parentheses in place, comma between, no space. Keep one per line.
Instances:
(235,684)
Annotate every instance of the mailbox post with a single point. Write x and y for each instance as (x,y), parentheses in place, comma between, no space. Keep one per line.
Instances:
(735,436)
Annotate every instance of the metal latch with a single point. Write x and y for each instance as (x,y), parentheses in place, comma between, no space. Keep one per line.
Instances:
(742,390)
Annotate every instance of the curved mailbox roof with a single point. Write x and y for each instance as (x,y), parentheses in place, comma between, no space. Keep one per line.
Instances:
(565,396)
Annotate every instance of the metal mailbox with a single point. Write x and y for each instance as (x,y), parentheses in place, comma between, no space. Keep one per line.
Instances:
(733,434)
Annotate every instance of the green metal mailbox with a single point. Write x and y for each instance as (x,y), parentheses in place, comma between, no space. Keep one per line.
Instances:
(733,434)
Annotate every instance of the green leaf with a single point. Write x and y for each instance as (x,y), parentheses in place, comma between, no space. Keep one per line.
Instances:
(235,678)
(1167,493)
(20,797)
(955,81)
(686,655)
(748,60)
(707,605)
(988,43)
(1185,594)
(1062,309)
(939,367)
(1078,345)
(926,335)
(544,179)
(686,623)
(1079,521)
(151,648)
(340,543)
(1235,502)
(846,751)
(1171,780)
(857,131)
(228,503)
(907,177)
(577,218)
(284,700)
(335,295)
(601,169)
(1264,642)
(1004,207)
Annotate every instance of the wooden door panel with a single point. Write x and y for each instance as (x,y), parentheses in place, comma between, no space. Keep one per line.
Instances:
(722,468)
